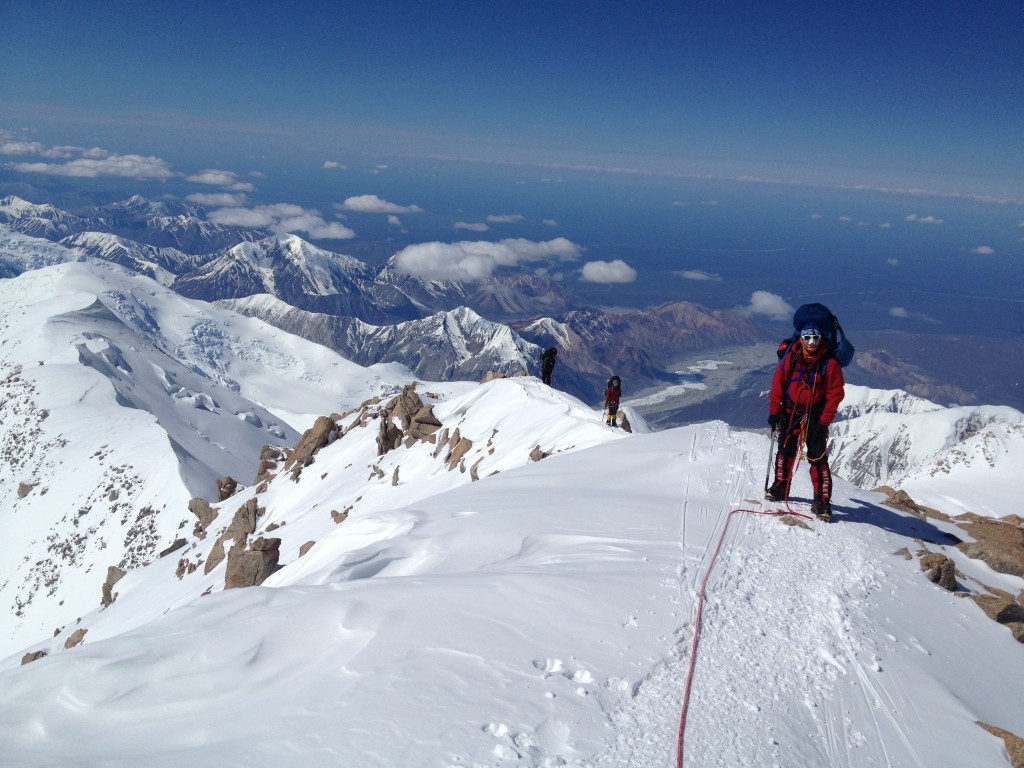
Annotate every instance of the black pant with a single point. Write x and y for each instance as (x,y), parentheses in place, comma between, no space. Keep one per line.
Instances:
(791,434)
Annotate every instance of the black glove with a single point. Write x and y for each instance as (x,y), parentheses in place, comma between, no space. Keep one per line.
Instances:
(773,420)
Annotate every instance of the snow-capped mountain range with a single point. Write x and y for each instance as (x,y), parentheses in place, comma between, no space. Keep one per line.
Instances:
(180,225)
(638,345)
(459,573)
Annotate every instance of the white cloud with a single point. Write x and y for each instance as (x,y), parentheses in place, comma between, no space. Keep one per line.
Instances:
(507,218)
(374,204)
(616,271)
(892,262)
(887,225)
(816,216)
(983,250)
(332,164)
(899,312)
(17,147)
(217,178)
(696,274)
(477,260)
(96,163)
(471,226)
(21,148)
(769,304)
(924,219)
(218,199)
(394,220)
(549,223)
(283,218)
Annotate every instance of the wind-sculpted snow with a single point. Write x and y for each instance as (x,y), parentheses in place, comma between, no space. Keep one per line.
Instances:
(539,617)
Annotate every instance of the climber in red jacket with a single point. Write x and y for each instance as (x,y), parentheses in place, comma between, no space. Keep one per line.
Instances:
(807,389)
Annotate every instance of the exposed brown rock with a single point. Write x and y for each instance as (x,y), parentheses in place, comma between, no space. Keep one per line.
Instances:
(250,566)
(270,456)
(901,500)
(306,547)
(324,430)
(178,544)
(458,446)
(537,454)
(201,509)
(241,525)
(340,517)
(473,469)
(114,575)
(492,375)
(624,422)
(24,489)
(226,487)
(28,658)
(424,424)
(999,543)
(1014,744)
(405,418)
(1004,608)
(939,569)
(75,638)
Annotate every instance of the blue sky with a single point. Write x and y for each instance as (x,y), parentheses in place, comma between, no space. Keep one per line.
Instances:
(715,152)
(922,95)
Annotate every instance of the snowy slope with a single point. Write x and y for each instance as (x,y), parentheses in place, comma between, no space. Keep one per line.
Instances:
(541,616)
(452,601)
(121,401)
(961,459)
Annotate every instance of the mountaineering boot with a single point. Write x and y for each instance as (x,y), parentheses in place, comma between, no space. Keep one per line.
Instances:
(778,492)
(821,509)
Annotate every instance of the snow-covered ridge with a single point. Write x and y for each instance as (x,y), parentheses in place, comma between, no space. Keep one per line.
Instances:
(150,398)
(963,459)
(541,616)
(454,345)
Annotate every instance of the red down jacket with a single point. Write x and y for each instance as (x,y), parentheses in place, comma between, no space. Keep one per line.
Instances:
(802,381)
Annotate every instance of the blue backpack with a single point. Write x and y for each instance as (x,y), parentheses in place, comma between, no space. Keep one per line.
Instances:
(839,347)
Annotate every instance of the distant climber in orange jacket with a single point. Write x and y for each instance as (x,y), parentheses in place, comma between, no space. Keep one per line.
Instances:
(807,389)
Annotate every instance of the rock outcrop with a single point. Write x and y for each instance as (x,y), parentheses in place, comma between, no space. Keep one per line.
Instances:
(238,530)
(114,575)
(323,431)
(201,509)
(249,566)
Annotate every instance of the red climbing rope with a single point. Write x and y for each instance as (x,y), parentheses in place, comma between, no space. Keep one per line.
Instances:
(700,612)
